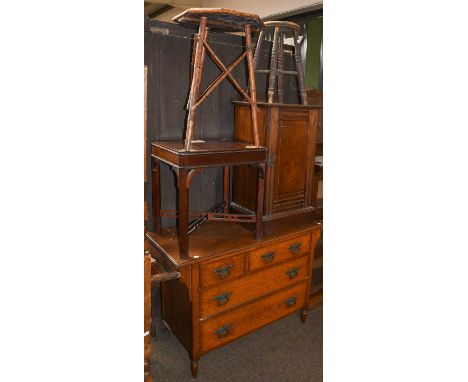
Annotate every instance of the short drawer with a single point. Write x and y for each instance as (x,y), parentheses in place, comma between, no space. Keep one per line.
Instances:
(232,325)
(278,252)
(217,271)
(253,285)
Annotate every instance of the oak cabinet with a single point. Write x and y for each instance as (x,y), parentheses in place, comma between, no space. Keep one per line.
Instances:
(289,133)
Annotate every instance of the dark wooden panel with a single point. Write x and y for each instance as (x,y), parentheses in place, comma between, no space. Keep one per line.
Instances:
(147,315)
(179,316)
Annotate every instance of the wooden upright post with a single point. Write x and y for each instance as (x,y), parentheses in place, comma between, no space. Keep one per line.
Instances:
(258,49)
(299,69)
(273,66)
(280,69)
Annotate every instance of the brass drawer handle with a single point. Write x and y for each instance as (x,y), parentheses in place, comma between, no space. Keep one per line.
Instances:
(291,301)
(223,272)
(222,298)
(268,257)
(223,331)
(292,273)
(295,247)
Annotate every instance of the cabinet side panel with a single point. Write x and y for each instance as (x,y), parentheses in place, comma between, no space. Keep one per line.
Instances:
(244,188)
(310,167)
(177,308)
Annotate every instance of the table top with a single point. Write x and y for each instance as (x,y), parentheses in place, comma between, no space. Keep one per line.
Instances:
(209,153)
(219,19)
(283,25)
(207,146)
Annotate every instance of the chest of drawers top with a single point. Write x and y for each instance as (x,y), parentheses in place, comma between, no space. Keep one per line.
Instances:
(216,240)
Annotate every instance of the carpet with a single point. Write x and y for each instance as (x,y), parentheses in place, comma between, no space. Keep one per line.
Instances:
(284,351)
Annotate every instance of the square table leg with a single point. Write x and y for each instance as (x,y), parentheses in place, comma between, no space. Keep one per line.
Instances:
(260,193)
(156,194)
(182,212)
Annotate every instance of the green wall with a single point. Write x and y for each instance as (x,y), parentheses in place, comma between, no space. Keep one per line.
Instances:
(314,40)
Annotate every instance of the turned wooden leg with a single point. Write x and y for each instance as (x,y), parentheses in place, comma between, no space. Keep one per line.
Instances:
(273,66)
(182,212)
(199,48)
(258,53)
(194,366)
(258,49)
(304,313)
(280,69)
(299,69)
(156,194)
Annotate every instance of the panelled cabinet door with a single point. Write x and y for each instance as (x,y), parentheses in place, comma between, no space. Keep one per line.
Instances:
(293,152)
(289,132)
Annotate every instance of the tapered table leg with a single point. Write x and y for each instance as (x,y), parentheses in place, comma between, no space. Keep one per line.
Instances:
(156,194)
(182,212)
(304,313)
(194,367)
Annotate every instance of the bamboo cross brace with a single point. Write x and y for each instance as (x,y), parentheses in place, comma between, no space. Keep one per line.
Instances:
(252,88)
(220,64)
(220,78)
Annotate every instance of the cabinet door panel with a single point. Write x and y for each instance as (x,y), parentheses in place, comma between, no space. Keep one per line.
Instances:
(291,164)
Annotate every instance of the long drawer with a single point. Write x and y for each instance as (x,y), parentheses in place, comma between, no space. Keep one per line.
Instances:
(251,286)
(227,327)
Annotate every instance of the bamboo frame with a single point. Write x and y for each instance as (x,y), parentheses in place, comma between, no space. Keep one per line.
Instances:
(252,85)
(196,80)
(200,47)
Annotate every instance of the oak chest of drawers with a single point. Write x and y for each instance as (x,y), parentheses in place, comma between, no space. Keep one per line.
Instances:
(233,285)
